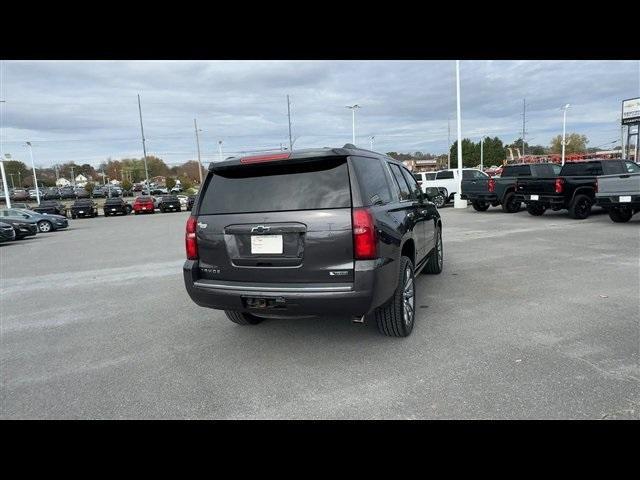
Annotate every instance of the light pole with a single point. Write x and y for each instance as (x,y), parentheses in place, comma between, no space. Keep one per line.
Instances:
(195,125)
(220,150)
(458,202)
(144,147)
(5,187)
(482,153)
(353,121)
(33,167)
(564,129)
(289,117)
(371,139)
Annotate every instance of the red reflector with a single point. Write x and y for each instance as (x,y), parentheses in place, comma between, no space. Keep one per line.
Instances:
(364,235)
(264,158)
(492,185)
(559,185)
(191,243)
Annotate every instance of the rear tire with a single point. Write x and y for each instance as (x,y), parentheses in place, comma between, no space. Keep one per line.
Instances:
(396,317)
(510,204)
(242,318)
(44,226)
(620,215)
(580,207)
(479,205)
(436,260)
(439,201)
(536,209)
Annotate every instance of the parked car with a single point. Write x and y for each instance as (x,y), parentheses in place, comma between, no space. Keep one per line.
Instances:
(54,207)
(7,233)
(33,194)
(114,206)
(98,192)
(20,205)
(447,181)
(50,194)
(169,203)
(183,200)
(23,227)
(573,189)
(80,192)
(337,231)
(424,176)
(176,189)
(144,204)
(44,221)
(619,194)
(484,191)
(66,193)
(191,201)
(84,207)
(19,194)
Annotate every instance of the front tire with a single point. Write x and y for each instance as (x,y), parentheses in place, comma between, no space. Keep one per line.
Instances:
(479,205)
(620,215)
(396,317)
(510,204)
(436,260)
(536,209)
(44,226)
(580,207)
(439,201)
(242,318)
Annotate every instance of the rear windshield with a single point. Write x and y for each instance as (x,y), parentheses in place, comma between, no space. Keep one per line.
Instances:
(516,171)
(144,200)
(169,198)
(582,168)
(84,202)
(112,201)
(272,188)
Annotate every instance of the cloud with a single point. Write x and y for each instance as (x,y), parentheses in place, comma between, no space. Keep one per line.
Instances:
(87,110)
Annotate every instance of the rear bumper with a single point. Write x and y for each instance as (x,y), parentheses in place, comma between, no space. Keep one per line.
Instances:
(344,299)
(613,201)
(549,200)
(482,197)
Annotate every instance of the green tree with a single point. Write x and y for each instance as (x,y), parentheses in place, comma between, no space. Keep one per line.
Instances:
(89,187)
(126,185)
(185,183)
(170,183)
(575,143)
(19,171)
(470,153)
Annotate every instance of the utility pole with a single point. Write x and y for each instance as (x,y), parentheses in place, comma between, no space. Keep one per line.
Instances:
(195,125)
(13,186)
(372,138)
(33,167)
(524,121)
(289,116)
(458,202)
(353,121)
(449,143)
(220,150)
(19,179)
(482,153)
(144,147)
(73,178)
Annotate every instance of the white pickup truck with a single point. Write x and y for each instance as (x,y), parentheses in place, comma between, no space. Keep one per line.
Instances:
(619,194)
(447,180)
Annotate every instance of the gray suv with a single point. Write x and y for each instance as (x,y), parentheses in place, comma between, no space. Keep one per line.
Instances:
(332,231)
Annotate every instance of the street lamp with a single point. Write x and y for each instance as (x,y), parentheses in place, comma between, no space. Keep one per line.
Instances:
(353,121)
(5,187)
(564,129)
(457,201)
(220,150)
(372,138)
(482,153)
(33,167)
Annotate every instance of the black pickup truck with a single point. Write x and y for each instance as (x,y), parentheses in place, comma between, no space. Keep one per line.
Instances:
(573,189)
(483,192)
(169,203)
(84,207)
(53,207)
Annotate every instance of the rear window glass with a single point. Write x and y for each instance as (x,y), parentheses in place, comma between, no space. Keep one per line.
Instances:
(516,171)
(584,168)
(444,174)
(372,180)
(272,188)
(112,201)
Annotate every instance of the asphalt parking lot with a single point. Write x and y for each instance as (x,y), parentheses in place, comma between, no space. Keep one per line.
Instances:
(532,317)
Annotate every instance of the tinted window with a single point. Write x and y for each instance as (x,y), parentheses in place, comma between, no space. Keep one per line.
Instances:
(271,188)
(516,171)
(372,180)
(631,167)
(556,169)
(413,185)
(403,188)
(581,168)
(430,176)
(444,174)
(613,167)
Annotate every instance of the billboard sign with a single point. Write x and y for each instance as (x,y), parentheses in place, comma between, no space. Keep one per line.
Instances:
(631,111)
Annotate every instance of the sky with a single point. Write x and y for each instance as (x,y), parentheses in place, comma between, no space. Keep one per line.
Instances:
(87,111)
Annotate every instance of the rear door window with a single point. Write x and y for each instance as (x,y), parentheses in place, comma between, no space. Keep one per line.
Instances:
(311,185)
(403,188)
(414,188)
(372,180)
(516,171)
(581,169)
(444,175)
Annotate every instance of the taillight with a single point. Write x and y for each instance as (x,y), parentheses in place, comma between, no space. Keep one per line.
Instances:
(491,183)
(191,243)
(559,185)
(364,235)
